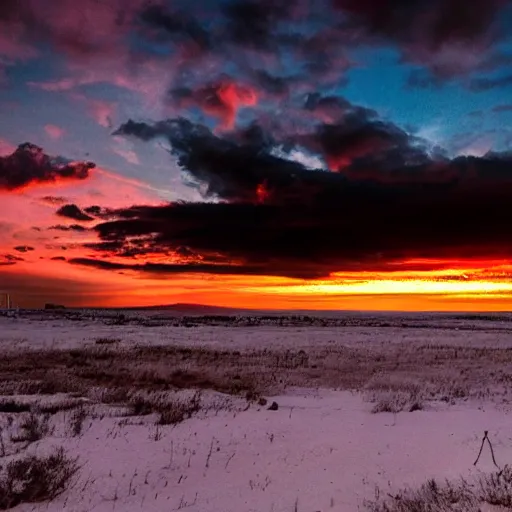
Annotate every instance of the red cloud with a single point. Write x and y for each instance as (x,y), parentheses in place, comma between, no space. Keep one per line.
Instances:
(233,96)
(54,131)
(221,100)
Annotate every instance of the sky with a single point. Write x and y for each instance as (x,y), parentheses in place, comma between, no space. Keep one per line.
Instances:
(272,154)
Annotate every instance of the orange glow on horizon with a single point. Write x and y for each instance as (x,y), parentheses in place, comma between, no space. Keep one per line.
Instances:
(450,289)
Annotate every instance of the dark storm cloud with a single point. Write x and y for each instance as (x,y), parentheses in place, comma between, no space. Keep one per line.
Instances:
(240,167)
(329,105)
(285,48)
(23,248)
(186,268)
(178,26)
(444,36)
(98,211)
(342,226)
(29,165)
(71,211)
(230,171)
(254,36)
(271,84)
(72,227)
(255,24)
(54,200)
(427,23)
(9,259)
(351,136)
(392,198)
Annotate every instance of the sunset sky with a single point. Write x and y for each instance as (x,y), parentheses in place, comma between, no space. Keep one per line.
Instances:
(308,154)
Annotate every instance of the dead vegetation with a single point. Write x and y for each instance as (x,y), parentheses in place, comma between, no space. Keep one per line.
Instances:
(13,406)
(388,394)
(171,411)
(494,489)
(35,479)
(430,497)
(107,341)
(33,428)
(76,421)
(394,377)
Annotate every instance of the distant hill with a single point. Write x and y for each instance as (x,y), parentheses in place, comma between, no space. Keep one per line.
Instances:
(197,309)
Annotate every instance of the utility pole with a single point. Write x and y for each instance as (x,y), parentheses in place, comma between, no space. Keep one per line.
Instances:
(6,302)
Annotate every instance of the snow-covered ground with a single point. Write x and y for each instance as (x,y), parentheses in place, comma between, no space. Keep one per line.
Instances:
(321,450)
(55,330)
(318,452)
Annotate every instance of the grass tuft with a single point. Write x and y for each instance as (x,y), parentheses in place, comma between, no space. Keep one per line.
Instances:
(76,422)
(33,428)
(35,479)
(13,407)
(494,489)
(171,411)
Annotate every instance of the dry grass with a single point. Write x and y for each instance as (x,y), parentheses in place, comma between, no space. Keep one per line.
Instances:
(397,402)
(494,489)
(33,428)
(430,497)
(35,479)
(439,372)
(13,406)
(57,406)
(170,411)
(106,341)
(76,421)
(389,394)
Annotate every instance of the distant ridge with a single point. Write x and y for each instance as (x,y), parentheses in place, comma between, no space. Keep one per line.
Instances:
(182,307)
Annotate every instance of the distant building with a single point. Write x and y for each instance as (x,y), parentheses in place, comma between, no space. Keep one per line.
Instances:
(54,306)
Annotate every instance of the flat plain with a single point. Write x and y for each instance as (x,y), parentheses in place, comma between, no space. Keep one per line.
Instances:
(292,412)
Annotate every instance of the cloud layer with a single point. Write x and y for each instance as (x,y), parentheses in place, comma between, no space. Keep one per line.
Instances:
(283,175)
(387,197)
(29,165)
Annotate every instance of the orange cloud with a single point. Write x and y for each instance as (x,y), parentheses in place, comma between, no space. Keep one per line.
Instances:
(29,213)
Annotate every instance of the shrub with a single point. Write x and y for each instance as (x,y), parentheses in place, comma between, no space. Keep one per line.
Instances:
(35,479)
(55,407)
(142,406)
(106,341)
(496,488)
(77,421)
(171,411)
(430,497)
(396,402)
(33,428)
(177,411)
(11,406)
